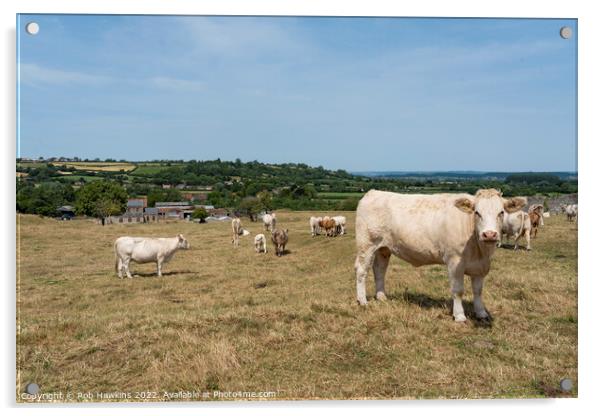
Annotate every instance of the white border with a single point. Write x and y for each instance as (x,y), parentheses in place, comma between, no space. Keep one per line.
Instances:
(590,34)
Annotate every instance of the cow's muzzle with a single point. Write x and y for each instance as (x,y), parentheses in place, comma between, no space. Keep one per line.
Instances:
(490,236)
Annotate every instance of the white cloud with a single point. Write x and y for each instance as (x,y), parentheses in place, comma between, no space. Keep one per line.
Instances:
(33,74)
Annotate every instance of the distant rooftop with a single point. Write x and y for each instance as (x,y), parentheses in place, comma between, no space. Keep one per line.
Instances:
(171,204)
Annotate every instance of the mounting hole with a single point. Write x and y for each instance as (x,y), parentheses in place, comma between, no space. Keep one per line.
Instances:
(566,32)
(32,28)
(32,388)
(566,384)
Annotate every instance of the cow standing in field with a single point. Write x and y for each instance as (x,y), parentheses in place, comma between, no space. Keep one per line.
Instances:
(280,238)
(329,226)
(339,222)
(538,208)
(146,250)
(260,244)
(517,225)
(269,222)
(535,219)
(314,225)
(458,230)
(237,231)
(570,211)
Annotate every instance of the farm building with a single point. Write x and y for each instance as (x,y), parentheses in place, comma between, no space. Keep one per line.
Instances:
(67,212)
(136,205)
(174,210)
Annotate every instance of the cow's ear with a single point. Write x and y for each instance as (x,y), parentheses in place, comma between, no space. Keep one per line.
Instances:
(514,204)
(465,205)
(180,237)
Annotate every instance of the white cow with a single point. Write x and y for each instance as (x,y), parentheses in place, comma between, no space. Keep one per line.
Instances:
(260,244)
(517,225)
(145,250)
(237,231)
(269,222)
(458,230)
(570,211)
(340,223)
(314,225)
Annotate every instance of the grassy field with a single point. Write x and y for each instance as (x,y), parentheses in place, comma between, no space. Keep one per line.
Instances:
(228,319)
(99,166)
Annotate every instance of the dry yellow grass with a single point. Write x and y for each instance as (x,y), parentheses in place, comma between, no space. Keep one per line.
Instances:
(225,318)
(99,166)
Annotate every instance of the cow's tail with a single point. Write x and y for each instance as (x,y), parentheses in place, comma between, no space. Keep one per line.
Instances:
(116,257)
(522,223)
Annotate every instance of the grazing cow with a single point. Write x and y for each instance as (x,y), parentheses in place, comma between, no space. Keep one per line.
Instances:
(546,215)
(340,223)
(269,222)
(539,209)
(280,238)
(329,226)
(146,250)
(260,244)
(517,224)
(314,225)
(535,219)
(570,211)
(458,230)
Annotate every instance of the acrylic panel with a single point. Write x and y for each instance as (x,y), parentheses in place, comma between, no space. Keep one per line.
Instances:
(295,208)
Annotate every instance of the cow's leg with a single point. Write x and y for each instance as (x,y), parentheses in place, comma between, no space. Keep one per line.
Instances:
(126,266)
(381,261)
(528,238)
(363,262)
(455,271)
(119,268)
(159,265)
(477,289)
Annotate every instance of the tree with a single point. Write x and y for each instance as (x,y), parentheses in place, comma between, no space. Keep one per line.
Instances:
(101,199)
(250,206)
(200,213)
(43,199)
(265,199)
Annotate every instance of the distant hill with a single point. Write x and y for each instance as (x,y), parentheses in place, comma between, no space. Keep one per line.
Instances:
(458,175)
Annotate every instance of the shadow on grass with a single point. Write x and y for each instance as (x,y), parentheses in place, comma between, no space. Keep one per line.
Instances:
(428,302)
(511,247)
(164,274)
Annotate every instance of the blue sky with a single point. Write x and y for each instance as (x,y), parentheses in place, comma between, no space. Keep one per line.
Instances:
(352,93)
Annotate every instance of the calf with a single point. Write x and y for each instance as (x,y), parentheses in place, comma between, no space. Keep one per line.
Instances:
(260,244)
(538,208)
(458,230)
(280,238)
(145,250)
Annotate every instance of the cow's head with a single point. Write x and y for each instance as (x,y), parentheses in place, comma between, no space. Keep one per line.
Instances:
(487,207)
(182,242)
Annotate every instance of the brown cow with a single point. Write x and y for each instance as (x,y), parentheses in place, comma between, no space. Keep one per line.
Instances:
(536,220)
(329,225)
(280,238)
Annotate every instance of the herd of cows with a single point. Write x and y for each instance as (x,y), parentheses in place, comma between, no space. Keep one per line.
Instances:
(460,231)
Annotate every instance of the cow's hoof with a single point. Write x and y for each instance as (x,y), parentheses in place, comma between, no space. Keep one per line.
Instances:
(381,296)
(528,248)
(482,315)
(362,302)
(460,318)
